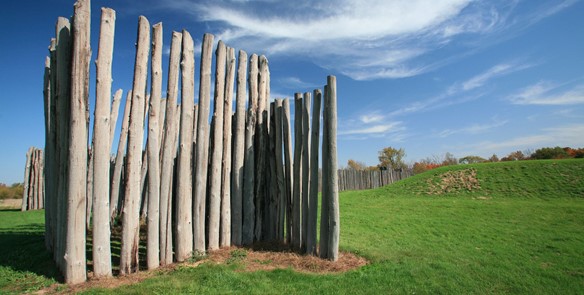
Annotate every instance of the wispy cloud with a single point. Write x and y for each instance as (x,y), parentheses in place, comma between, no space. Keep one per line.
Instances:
(295,83)
(473,129)
(364,39)
(547,93)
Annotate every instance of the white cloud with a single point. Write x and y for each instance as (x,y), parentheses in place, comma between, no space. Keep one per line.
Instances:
(375,129)
(371,118)
(473,129)
(547,93)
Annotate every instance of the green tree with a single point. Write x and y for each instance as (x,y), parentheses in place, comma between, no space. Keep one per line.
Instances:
(471,160)
(356,165)
(550,153)
(391,158)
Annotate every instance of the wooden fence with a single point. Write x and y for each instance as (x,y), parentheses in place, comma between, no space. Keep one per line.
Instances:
(204,180)
(33,196)
(351,179)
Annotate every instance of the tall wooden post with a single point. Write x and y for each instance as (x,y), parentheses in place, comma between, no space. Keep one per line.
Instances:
(153,149)
(238,152)
(297,182)
(324,204)
(331,165)
(313,194)
(217,149)
(289,170)
(130,217)
(26,185)
(305,166)
(115,188)
(102,264)
(225,236)
(202,148)
(75,262)
(184,227)
(247,233)
(166,169)
(279,157)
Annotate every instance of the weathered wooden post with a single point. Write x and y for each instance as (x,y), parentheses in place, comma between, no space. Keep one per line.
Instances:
(168,152)
(153,149)
(26,185)
(313,194)
(247,233)
(289,170)
(75,262)
(202,148)
(184,227)
(102,263)
(225,236)
(115,188)
(238,152)
(280,178)
(297,182)
(305,166)
(217,149)
(331,165)
(130,217)
(324,204)
(261,141)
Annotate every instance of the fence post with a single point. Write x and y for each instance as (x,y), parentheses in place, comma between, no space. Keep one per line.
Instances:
(313,194)
(225,227)
(238,152)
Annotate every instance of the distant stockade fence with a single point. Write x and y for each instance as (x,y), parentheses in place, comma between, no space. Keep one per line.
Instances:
(351,179)
(33,196)
(203,180)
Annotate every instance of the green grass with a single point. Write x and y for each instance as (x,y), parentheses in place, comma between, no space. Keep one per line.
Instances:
(521,230)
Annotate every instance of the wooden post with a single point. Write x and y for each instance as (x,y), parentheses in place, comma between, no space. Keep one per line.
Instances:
(217,150)
(114,115)
(305,167)
(202,148)
(130,217)
(225,237)
(50,146)
(63,98)
(153,149)
(27,168)
(184,227)
(279,157)
(115,188)
(248,186)
(102,262)
(75,262)
(261,140)
(313,195)
(331,166)
(167,152)
(324,204)
(297,182)
(287,138)
(238,152)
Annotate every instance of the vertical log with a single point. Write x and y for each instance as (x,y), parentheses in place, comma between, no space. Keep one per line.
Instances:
(287,138)
(115,188)
(75,268)
(324,204)
(115,108)
(41,189)
(261,141)
(313,195)
(202,148)
(331,166)
(153,149)
(27,168)
(271,210)
(297,181)
(89,193)
(248,185)
(279,156)
(184,227)
(102,264)
(225,227)
(130,217)
(63,98)
(50,146)
(217,151)
(305,166)
(167,151)
(238,152)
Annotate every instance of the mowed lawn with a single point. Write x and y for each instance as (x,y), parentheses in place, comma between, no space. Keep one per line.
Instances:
(518,229)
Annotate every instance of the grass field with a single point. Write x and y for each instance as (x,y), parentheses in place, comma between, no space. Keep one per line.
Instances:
(487,228)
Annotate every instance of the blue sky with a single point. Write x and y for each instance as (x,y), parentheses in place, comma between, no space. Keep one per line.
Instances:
(469,77)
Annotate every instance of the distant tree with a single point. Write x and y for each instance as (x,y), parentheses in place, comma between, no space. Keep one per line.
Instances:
(449,159)
(575,152)
(514,156)
(391,158)
(550,153)
(356,165)
(471,160)
(494,158)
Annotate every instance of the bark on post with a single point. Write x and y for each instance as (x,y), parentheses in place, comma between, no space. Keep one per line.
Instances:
(202,148)
(238,152)
(115,188)
(130,217)
(248,186)
(288,173)
(313,194)
(305,166)
(153,149)
(184,227)
(331,166)
(102,263)
(75,268)
(167,152)
(225,227)
(217,150)
(297,182)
